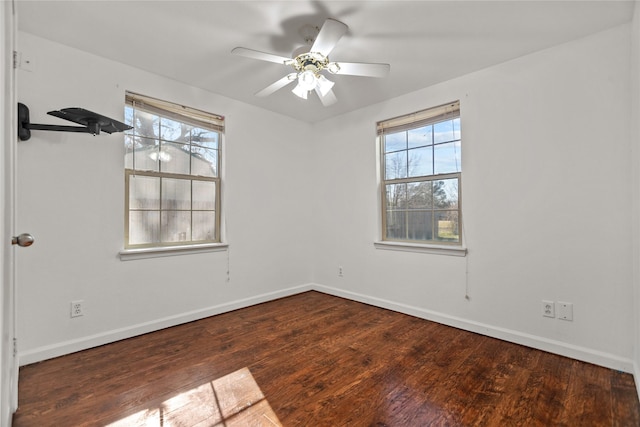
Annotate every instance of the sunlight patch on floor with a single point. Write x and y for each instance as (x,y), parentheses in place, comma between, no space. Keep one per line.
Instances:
(229,401)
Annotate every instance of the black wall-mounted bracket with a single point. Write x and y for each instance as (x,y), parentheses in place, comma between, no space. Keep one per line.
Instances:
(91,122)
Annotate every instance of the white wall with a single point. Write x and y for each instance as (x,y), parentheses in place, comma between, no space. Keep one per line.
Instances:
(546,188)
(547,200)
(71,189)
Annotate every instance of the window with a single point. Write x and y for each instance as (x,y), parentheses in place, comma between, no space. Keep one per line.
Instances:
(421,169)
(172,174)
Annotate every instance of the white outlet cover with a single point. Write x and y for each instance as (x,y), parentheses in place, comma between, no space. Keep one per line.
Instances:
(565,310)
(548,308)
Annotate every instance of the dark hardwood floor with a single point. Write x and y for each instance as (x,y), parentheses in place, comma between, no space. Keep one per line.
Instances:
(317,360)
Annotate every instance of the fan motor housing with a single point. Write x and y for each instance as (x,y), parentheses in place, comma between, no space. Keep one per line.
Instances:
(311,61)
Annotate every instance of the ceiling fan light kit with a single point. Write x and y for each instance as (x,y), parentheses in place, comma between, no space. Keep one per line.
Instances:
(309,62)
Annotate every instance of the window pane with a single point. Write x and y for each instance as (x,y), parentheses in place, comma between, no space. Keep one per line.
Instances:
(147,124)
(395,165)
(395,141)
(396,196)
(144,227)
(445,193)
(204,162)
(420,195)
(456,128)
(145,154)
(447,158)
(176,226)
(144,192)
(171,130)
(419,225)
(175,158)
(180,154)
(204,225)
(176,194)
(396,225)
(128,118)
(204,195)
(447,226)
(443,131)
(420,137)
(419,203)
(128,152)
(420,161)
(205,138)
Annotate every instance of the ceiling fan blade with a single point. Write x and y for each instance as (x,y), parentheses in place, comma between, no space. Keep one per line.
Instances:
(263,56)
(362,69)
(328,36)
(328,99)
(277,85)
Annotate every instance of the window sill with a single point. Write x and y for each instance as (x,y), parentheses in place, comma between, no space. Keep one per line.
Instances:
(416,247)
(131,254)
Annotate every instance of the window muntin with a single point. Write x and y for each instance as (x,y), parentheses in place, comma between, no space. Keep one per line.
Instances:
(172,174)
(421,170)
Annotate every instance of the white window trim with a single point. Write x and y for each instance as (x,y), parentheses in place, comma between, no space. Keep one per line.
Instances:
(421,248)
(157,252)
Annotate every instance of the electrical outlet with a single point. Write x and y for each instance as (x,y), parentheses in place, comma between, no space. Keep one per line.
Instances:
(340,272)
(548,308)
(565,310)
(76,309)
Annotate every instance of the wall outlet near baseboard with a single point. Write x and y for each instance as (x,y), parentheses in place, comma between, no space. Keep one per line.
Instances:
(548,308)
(76,308)
(565,310)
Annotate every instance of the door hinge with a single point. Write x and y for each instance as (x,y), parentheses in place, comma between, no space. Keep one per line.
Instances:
(15,59)
(15,347)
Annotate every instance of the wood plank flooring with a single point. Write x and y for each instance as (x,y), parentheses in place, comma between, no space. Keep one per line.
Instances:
(317,360)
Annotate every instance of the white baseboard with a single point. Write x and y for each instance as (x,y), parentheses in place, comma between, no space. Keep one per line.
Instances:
(557,347)
(54,350)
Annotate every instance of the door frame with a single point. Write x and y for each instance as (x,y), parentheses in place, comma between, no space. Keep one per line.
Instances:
(9,365)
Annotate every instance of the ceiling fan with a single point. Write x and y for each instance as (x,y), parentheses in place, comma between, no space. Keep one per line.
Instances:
(309,62)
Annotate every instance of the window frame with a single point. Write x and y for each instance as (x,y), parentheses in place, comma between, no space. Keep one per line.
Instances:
(192,117)
(430,116)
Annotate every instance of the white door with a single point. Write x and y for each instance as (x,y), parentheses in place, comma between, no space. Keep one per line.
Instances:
(8,126)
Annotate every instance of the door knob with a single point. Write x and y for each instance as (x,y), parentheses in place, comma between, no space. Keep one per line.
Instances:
(24,240)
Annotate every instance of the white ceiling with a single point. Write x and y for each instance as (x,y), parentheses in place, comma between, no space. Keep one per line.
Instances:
(425,42)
